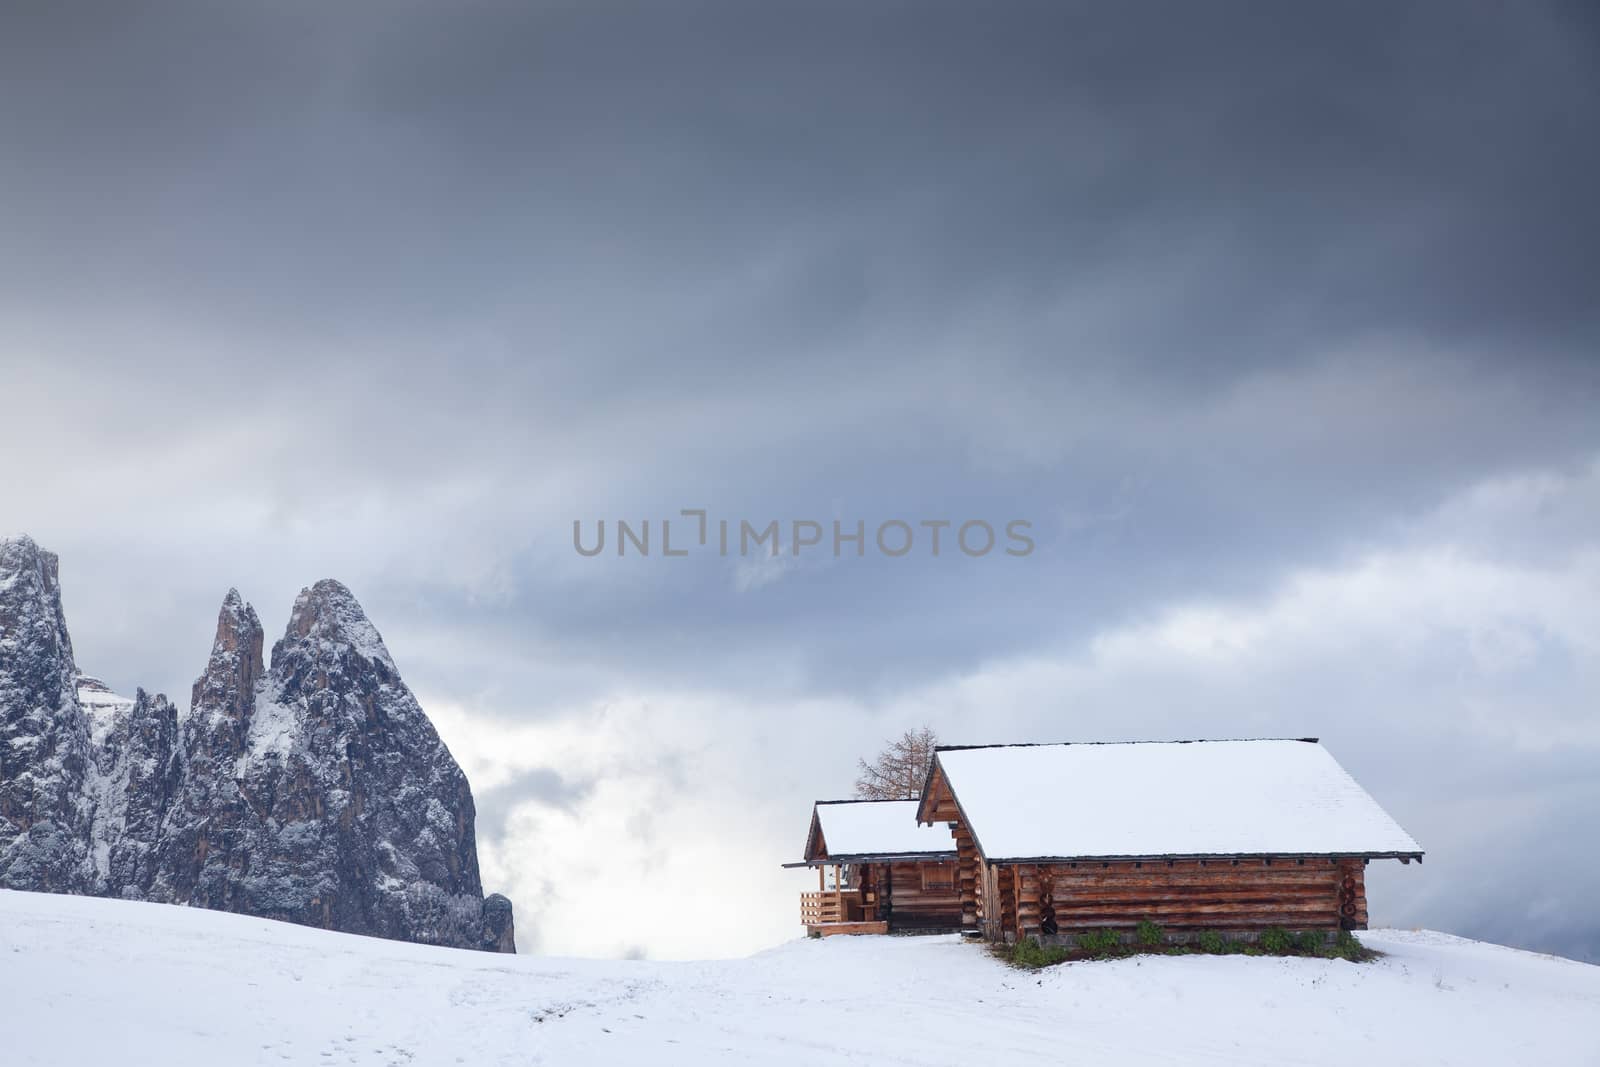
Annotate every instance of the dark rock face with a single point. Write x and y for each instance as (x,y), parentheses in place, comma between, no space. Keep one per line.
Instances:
(226,692)
(137,768)
(210,823)
(499,932)
(316,792)
(44,738)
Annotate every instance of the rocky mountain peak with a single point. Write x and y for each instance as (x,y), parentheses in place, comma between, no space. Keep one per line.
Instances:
(338,733)
(316,792)
(30,601)
(239,638)
(327,620)
(224,696)
(44,734)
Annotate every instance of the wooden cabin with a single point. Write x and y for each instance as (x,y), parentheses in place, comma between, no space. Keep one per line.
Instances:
(1233,836)
(878,870)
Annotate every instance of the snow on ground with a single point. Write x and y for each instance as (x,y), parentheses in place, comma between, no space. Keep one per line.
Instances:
(86,981)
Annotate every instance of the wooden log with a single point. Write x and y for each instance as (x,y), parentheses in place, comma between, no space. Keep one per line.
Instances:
(1132,915)
(1161,876)
(1180,895)
(1007,879)
(1352,894)
(1232,922)
(967,868)
(1027,890)
(1155,894)
(1023,900)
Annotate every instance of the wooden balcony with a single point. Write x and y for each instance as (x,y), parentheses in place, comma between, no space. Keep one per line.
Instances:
(839,911)
(829,906)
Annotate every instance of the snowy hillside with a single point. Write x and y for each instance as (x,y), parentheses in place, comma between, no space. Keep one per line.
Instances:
(89,981)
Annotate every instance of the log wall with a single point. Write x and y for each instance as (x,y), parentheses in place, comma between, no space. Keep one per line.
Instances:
(968,875)
(1182,896)
(920,903)
(1003,900)
(988,900)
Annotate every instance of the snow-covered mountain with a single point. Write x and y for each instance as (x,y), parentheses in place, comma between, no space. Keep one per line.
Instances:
(136,767)
(187,987)
(314,790)
(45,806)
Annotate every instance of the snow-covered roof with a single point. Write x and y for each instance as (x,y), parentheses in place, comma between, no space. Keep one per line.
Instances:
(878,828)
(1194,798)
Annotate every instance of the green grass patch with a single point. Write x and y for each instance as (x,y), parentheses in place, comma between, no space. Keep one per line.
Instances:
(1099,943)
(1276,941)
(1029,953)
(1308,942)
(1347,947)
(1150,939)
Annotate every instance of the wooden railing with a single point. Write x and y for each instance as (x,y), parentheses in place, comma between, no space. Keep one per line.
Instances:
(829,906)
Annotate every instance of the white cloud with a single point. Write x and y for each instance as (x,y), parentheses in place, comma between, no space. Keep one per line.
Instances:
(753,572)
(1396,659)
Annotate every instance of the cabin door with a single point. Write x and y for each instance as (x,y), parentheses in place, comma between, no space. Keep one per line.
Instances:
(869,892)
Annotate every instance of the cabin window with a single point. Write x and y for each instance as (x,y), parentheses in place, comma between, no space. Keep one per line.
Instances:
(938,877)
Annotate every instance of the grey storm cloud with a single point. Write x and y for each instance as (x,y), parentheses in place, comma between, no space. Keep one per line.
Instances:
(1211,294)
(1366,166)
(469,248)
(542,785)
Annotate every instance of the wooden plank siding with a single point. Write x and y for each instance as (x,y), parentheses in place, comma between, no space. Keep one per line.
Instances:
(1002,900)
(940,806)
(1006,896)
(1184,896)
(922,896)
(831,929)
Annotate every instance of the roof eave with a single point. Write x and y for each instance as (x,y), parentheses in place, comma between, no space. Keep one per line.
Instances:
(877,857)
(927,788)
(1162,857)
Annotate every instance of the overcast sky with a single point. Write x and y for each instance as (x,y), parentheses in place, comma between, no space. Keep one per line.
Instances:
(1279,326)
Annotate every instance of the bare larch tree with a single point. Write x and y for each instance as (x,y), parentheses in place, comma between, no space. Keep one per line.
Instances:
(899,770)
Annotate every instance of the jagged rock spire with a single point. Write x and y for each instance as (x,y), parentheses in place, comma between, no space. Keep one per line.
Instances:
(138,771)
(328,614)
(44,735)
(226,690)
(338,805)
(369,760)
(316,791)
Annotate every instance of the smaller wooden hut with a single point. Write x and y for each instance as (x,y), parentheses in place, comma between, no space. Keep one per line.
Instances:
(1235,836)
(878,871)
